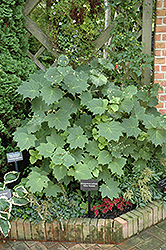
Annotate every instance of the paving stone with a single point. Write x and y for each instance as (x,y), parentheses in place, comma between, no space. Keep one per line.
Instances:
(163,247)
(38,246)
(31,242)
(86,246)
(58,246)
(77,247)
(144,235)
(20,246)
(162,225)
(13,243)
(157,232)
(68,244)
(49,244)
(4,245)
(150,244)
(130,243)
(106,246)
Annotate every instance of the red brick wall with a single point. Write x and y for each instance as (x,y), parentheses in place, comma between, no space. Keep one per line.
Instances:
(160,53)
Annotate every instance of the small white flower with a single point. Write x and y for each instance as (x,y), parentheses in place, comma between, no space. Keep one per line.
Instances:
(84,5)
(52,7)
(53,3)
(74,21)
(60,23)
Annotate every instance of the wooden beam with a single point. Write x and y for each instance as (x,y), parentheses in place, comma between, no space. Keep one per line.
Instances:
(147,35)
(30,6)
(40,36)
(36,61)
(103,38)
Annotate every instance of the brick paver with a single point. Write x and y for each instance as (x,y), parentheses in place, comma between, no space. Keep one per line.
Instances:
(153,238)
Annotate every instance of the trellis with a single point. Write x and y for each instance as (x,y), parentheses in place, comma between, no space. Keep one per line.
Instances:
(46,43)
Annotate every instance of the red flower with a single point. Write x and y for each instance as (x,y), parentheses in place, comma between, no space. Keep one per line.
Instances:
(96,212)
(128,203)
(116,200)
(119,206)
(110,206)
(116,66)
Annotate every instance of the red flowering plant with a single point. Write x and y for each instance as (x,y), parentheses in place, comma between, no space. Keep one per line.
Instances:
(113,206)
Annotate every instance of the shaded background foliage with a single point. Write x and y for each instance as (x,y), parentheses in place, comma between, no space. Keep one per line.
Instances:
(14,67)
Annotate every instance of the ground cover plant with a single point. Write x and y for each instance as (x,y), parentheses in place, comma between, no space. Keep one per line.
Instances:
(83,126)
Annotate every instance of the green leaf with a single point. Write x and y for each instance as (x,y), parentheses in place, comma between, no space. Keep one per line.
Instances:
(4,204)
(39,77)
(130,126)
(68,160)
(80,172)
(19,201)
(37,181)
(20,192)
(51,94)
(126,105)
(53,75)
(52,190)
(98,79)
(104,157)
(63,60)
(29,89)
(24,140)
(111,131)
(110,189)
(130,91)
(76,137)
(116,165)
(59,172)
(39,106)
(157,136)
(97,106)
(85,97)
(92,148)
(151,121)
(34,156)
(76,82)
(85,121)
(65,70)
(56,139)
(34,124)
(11,177)
(59,120)
(69,106)
(46,149)
(4,226)
(90,161)
(139,111)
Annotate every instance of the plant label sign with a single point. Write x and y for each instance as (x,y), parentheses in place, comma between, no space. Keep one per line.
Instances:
(5,193)
(13,157)
(89,185)
(161,183)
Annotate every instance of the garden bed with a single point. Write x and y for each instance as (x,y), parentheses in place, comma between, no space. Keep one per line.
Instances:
(90,230)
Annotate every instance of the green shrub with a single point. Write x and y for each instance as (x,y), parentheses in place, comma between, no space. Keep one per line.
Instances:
(83,126)
(14,67)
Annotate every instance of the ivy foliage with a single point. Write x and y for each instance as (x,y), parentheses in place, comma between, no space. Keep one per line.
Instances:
(14,67)
(84,128)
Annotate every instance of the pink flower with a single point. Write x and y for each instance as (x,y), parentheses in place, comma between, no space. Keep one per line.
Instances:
(54,13)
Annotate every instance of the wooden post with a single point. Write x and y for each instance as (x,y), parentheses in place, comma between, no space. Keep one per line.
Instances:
(147,35)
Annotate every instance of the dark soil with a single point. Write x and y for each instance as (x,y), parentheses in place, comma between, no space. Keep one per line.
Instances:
(110,214)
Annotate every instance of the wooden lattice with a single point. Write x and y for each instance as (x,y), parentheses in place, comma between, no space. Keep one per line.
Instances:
(146,32)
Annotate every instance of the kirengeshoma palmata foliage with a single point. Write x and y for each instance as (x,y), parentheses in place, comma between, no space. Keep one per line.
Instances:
(18,197)
(83,126)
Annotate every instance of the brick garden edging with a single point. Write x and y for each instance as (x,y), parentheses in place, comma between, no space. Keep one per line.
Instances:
(90,230)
